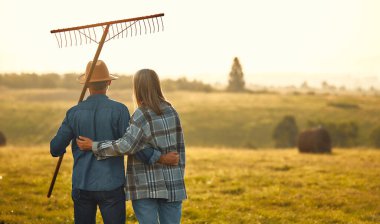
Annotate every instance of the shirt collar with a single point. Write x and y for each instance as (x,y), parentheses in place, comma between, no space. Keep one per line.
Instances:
(97,96)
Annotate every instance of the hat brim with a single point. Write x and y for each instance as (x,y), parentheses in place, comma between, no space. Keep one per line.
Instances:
(82,79)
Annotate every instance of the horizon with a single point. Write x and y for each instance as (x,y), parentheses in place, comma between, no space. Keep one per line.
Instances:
(268,80)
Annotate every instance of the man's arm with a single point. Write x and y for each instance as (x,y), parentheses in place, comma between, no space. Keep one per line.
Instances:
(62,139)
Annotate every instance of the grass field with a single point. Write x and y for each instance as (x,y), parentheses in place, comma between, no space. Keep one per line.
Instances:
(226,182)
(224,186)
(30,117)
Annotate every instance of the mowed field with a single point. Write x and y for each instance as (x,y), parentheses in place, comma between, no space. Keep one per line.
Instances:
(233,174)
(224,186)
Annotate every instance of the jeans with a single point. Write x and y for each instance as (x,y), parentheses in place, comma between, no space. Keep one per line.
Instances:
(153,211)
(111,205)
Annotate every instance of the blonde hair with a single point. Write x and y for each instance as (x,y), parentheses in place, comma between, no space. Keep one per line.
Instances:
(147,90)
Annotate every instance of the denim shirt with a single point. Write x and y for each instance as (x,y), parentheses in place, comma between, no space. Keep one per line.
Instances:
(98,118)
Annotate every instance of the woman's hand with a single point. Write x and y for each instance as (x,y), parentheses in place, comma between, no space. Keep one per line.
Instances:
(85,144)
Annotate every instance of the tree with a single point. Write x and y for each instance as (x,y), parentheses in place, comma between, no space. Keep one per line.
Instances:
(286,132)
(236,80)
(375,137)
(304,85)
(3,140)
(343,134)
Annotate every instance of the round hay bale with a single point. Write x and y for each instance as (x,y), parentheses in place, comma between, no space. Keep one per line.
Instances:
(314,140)
(3,140)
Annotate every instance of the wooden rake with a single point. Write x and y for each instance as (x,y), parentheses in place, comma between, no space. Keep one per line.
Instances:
(108,30)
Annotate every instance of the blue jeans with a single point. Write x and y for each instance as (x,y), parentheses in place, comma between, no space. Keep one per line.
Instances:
(111,205)
(153,211)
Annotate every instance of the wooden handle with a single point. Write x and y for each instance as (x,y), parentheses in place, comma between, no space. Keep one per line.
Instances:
(54,176)
(96,57)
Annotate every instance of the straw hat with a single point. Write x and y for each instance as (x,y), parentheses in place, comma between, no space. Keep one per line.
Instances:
(100,73)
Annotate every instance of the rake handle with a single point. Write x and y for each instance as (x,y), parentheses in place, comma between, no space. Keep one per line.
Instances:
(84,89)
(54,176)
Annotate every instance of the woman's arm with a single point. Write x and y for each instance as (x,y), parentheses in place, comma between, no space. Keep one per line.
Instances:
(130,143)
(86,144)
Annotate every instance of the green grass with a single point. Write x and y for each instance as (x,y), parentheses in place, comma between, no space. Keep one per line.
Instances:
(224,186)
(30,117)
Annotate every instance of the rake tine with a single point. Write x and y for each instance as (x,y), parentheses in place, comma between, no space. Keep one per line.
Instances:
(117,30)
(93,29)
(135,27)
(162,23)
(154,27)
(76,41)
(60,38)
(113,31)
(126,30)
(131,28)
(80,37)
(145,26)
(57,39)
(140,27)
(158,25)
(108,35)
(71,40)
(122,30)
(84,33)
(65,39)
(84,36)
(130,25)
(89,35)
(150,28)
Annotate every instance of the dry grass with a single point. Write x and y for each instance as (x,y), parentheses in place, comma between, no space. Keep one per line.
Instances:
(224,186)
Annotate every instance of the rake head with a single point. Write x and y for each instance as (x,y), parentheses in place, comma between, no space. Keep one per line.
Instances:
(125,28)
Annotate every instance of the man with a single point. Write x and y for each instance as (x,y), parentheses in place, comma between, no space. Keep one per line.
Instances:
(99,183)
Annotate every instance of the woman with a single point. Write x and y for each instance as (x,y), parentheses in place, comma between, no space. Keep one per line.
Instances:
(156,190)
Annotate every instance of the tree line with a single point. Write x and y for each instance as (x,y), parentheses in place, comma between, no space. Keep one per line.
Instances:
(69,81)
(236,81)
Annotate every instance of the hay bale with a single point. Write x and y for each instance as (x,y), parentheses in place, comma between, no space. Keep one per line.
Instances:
(3,140)
(314,140)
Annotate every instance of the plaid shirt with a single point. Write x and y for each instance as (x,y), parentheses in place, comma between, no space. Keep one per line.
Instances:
(147,129)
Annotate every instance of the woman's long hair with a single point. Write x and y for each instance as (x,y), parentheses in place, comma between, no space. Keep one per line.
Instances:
(147,90)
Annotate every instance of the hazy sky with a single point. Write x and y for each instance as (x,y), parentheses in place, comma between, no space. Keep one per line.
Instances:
(201,37)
